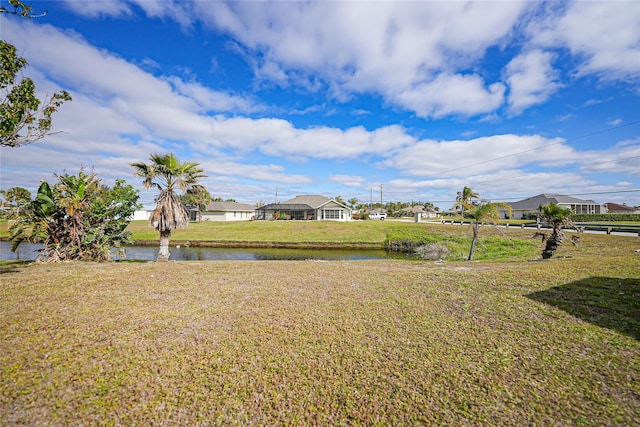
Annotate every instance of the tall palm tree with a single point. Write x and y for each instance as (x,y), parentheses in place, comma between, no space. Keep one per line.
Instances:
(170,176)
(464,199)
(558,217)
(485,212)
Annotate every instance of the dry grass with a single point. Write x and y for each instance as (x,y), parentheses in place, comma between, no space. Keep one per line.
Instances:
(323,343)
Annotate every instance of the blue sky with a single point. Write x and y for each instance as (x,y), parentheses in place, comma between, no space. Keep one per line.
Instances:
(511,99)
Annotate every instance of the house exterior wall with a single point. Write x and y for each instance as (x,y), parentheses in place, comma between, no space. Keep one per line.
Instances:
(333,212)
(141,215)
(227,216)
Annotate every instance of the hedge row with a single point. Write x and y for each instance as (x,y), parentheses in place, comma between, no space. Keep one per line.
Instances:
(609,217)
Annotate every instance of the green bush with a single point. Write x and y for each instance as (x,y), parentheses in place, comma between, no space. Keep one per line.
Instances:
(608,217)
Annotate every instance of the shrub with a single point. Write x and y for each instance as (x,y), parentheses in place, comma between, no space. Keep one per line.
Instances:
(608,217)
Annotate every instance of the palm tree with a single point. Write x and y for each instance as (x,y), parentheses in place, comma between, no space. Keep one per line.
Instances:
(200,197)
(558,217)
(463,199)
(485,212)
(170,176)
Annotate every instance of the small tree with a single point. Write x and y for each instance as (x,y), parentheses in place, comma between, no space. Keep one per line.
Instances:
(76,219)
(23,117)
(464,199)
(484,212)
(17,196)
(170,176)
(198,196)
(558,217)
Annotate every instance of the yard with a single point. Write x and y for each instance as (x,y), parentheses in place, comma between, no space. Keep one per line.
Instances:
(516,343)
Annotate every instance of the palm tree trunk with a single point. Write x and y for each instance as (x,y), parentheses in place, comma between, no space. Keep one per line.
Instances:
(163,253)
(552,243)
(473,242)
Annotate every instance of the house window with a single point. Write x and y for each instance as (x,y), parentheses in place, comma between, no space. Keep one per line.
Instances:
(332,214)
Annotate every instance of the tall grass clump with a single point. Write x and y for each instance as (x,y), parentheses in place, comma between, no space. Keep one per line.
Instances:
(430,243)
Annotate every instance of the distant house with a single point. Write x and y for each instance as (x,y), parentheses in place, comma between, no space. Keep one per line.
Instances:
(531,205)
(225,211)
(621,209)
(308,207)
(142,215)
(422,211)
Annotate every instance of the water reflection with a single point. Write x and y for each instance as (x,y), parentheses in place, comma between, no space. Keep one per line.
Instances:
(27,251)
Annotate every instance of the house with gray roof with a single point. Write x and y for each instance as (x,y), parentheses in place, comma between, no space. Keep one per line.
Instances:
(421,211)
(307,207)
(578,206)
(225,211)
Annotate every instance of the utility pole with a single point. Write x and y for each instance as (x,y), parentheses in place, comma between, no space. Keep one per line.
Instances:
(276,195)
(370,198)
(381,205)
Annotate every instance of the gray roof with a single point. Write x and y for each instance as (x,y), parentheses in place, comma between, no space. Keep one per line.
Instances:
(533,203)
(301,203)
(314,201)
(229,207)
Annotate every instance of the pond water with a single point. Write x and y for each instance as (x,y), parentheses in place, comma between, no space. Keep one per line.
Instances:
(28,251)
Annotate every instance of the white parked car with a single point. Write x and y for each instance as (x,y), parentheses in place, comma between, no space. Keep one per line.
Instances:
(380,216)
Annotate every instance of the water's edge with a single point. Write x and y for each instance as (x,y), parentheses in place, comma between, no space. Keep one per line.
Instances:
(254,244)
(187,251)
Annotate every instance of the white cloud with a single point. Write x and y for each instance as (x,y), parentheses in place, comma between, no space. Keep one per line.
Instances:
(531,79)
(175,10)
(99,8)
(623,157)
(464,158)
(348,180)
(209,100)
(391,48)
(408,52)
(603,35)
(452,94)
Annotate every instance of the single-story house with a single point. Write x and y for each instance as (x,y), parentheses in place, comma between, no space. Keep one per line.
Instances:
(308,207)
(531,205)
(142,215)
(621,209)
(225,211)
(422,211)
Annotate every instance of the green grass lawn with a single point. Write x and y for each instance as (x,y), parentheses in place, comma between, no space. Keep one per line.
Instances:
(274,231)
(324,343)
